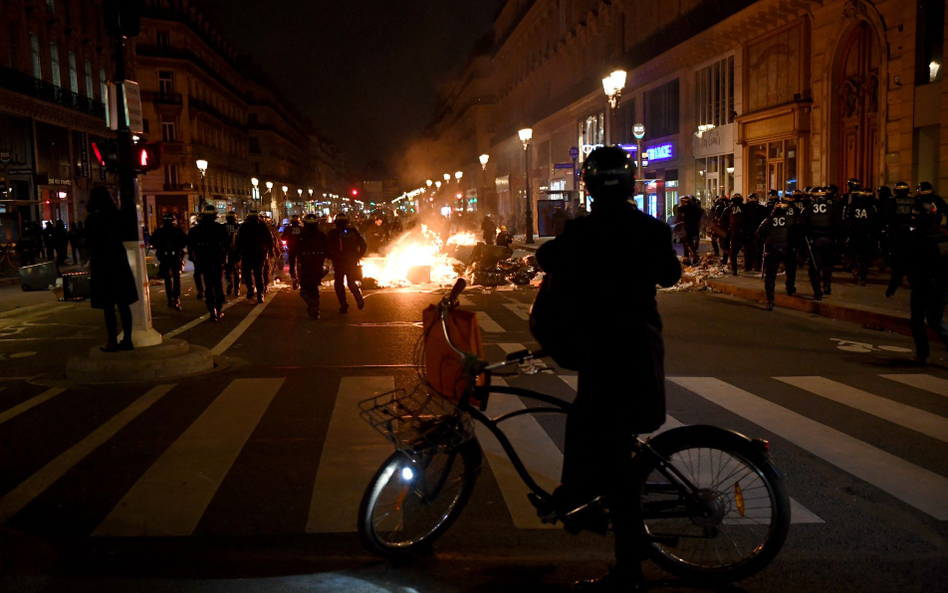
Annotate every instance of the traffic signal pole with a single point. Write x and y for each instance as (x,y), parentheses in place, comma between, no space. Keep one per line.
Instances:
(143,334)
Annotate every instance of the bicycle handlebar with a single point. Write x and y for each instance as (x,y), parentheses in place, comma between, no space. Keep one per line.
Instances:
(456,290)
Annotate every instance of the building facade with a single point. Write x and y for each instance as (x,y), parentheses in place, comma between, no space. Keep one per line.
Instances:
(734,95)
(55,61)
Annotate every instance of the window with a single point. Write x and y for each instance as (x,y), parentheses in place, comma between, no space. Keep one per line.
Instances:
(54,63)
(88,70)
(13,36)
(51,6)
(930,41)
(163,39)
(37,59)
(73,74)
(252,119)
(168,130)
(714,93)
(171,174)
(104,95)
(774,69)
(165,82)
(661,111)
(774,165)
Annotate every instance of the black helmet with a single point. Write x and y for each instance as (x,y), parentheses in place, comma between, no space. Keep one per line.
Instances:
(902,188)
(773,194)
(210,211)
(737,199)
(232,214)
(168,217)
(924,188)
(753,198)
(253,213)
(853,184)
(884,193)
(295,217)
(341,221)
(819,192)
(832,188)
(310,218)
(609,173)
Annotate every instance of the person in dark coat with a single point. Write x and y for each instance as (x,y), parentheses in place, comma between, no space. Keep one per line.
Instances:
(207,248)
(232,269)
(346,248)
(74,243)
(489,229)
(559,219)
(313,249)
(112,284)
(621,370)
(290,238)
(254,243)
(170,242)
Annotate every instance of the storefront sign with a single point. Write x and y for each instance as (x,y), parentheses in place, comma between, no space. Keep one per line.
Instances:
(133,107)
(719,140)
(5,156)
(20,171)
(563,165)
(775,126)
(662,152)
(83,155)
(588,148)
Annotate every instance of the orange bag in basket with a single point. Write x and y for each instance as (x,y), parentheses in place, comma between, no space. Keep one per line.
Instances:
(442,364)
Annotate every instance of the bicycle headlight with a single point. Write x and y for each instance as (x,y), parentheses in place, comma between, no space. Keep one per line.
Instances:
(407,473)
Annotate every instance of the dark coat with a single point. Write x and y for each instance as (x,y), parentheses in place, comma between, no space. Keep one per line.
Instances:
(207,246)
(313,250)
(346,245)
(110,275)
(169,243)
(612,260)
(254,240)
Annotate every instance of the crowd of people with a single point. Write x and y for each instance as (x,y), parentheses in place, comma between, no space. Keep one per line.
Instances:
(54,242)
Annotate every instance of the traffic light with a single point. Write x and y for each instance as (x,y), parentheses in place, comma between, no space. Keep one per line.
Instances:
(355,193)
(106,152)
(146,156)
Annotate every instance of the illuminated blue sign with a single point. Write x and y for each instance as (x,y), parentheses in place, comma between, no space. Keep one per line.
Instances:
(662,152)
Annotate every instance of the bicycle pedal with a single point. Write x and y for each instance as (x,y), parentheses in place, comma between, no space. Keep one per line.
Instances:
(545,509)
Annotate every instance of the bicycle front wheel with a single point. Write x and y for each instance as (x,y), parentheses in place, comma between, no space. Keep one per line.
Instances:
(737,521)
(411,502)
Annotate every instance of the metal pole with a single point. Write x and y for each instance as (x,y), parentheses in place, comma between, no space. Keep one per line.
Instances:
(526,164)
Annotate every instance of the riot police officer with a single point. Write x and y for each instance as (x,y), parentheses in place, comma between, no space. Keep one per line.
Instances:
(291,239)
(313,248)
(232,267)
(254,243)
(779,233)
(756,213)
(207,248)
(898,223)
(925,193)
(861,224)
(718,207)
(198,279)
(822,241)
(170,242)
(739,233)
(346,248)
(772,198)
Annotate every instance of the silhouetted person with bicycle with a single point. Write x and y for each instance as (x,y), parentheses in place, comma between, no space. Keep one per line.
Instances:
(614,334)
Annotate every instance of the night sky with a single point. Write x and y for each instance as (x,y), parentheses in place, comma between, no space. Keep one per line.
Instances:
(366,71)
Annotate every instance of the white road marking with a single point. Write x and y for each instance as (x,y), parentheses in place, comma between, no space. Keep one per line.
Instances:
(351,455)
(799,514)
(916,486)
(509,347)
(28,404)
(924,382)
(521,310)
(238,331)
(170,499)
(194,322)
(488,324)
(536,449)
(912,418)
(36,484)
(466,301)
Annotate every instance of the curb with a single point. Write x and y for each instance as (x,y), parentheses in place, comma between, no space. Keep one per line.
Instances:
(172,359)
(822,308)
(10,281)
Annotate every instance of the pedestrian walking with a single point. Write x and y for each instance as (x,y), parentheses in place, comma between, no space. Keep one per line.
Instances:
(716,228)
(112,285)
(313,249)
(346,247)
(207,248)
(253,242)
(559,220)
(170,243)
(198,280)
(615,348)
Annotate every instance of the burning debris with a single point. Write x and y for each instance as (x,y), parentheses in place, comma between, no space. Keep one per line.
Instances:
(415,257)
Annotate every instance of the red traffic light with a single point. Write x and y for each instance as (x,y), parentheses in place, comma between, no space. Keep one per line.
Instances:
(106,152)
(355,192)
(147,156)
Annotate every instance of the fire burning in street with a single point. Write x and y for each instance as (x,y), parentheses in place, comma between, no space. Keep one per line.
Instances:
(406,259)
(461,239)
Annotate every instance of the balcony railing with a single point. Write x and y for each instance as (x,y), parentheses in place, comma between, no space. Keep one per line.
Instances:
(23,83)
(178,187)
(163,98)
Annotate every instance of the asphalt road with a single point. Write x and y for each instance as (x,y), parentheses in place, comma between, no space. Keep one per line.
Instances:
(247,479)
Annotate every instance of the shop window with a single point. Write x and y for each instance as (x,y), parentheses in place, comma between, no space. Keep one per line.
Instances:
(73,73)
(773,166)
(661,111)
(54,63)
(930,41)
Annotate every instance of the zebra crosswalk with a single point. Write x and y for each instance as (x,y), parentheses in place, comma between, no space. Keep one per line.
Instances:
(170,494)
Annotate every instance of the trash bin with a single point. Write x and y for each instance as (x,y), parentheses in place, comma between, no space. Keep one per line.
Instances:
(38,276)
(76,286)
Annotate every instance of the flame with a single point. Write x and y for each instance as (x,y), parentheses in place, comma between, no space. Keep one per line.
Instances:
(418,247)
(463,238)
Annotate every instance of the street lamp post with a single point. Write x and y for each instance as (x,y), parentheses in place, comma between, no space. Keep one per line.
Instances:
(283,205)
(202,167)
(463,201)
(612,85)
(483,160)
(526,135)
(270,191)
(638,130)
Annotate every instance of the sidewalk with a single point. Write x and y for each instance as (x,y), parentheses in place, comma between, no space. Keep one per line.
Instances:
(519,243)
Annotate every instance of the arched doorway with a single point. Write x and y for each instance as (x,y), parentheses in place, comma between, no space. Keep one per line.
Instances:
(856,83)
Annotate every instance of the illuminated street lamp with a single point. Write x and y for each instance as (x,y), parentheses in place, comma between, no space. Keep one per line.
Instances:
(202,167)
(437,185)
(483,159)
(428,182)
(612,85)
(526,134)
(447,177)
(256,190)
(459,175)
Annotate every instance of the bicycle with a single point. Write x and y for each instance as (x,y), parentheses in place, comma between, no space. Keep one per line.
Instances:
(713,503)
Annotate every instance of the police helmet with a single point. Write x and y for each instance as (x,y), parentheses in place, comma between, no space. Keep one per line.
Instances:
(819,192)
(753,198)
(924,188)
(310,218)
(253,213)
(294,217)
(232,214)
(609,173)
(210,211)
(832,188)
(773,194)
(853,184)
(167,217)
(737,199)
(884,193)
(902,188)
(341,221)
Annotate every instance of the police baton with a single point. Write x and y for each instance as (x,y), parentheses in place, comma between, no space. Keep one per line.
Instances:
(809,249)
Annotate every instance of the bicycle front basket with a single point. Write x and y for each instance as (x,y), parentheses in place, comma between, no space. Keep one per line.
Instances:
(417,419)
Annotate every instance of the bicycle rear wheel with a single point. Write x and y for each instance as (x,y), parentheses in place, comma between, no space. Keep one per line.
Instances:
(743,514)
(411,502)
